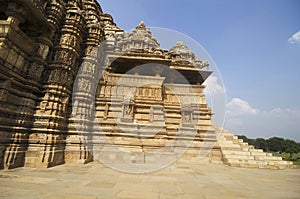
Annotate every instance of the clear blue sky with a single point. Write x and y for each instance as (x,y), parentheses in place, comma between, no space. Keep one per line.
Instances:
(248,40)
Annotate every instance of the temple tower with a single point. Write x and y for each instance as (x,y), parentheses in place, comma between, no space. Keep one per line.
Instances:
(74,87)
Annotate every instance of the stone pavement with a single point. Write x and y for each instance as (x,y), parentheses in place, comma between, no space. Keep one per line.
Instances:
(181,180)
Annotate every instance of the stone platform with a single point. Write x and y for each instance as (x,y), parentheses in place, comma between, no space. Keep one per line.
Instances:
(192,179)
(69,76)
(237,153)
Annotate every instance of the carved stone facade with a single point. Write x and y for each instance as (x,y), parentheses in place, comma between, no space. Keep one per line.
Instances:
(60,93)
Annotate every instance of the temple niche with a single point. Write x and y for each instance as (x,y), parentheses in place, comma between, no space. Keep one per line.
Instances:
(69,77)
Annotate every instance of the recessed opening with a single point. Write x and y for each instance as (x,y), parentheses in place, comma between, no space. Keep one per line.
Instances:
(3,16)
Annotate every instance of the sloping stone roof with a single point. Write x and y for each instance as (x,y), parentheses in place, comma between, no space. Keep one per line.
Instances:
(139,39)
(181,54)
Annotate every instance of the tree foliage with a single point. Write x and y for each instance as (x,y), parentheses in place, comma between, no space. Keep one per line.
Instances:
(274,144)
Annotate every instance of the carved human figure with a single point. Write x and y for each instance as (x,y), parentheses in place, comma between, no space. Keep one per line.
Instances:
(64,40)
(106,109)
(35,70)
(187,117)
(43,50)
(127,109)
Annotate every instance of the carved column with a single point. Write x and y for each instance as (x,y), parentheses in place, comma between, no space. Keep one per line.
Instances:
(79,139)
(47,141)
(22,101)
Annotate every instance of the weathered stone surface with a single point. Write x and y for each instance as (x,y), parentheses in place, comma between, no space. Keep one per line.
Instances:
(237,153)
(71,86)
(185,179)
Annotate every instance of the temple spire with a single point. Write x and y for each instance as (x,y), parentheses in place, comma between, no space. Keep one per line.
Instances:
(141,25)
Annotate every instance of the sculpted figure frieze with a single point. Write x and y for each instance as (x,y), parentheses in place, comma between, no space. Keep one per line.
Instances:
(46,52)
(35,71)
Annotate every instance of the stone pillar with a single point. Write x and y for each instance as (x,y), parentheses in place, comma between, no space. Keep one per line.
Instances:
(47,141)
(78,141)
(15,151)
(79,138)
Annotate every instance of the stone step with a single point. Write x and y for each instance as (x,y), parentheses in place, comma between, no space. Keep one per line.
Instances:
(257,150)
(224,144)
(235,142)
(231,148)
(280,162)
(258,154)
(244,148)
(239,157)
(244,144)
(237,153)
(245,165)
(260,164)
(268,158)
(240,160)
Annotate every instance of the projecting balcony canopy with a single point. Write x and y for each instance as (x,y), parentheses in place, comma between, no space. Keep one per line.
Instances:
(138,52)
(157,66)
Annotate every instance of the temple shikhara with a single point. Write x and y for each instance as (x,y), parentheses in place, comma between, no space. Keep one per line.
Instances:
(75,88)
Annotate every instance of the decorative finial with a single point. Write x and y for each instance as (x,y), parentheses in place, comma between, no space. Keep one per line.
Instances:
(141,25)
(179,43)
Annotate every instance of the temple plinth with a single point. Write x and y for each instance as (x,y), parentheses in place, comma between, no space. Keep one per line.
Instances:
(76,88)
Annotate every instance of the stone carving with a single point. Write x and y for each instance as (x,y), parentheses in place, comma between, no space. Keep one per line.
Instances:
(68,40)
(181,54)
(93,53)
(61,56)
(71,31)
(35,71)
(157,114)
(65,57)
(4,87)
(187,115)
(3,94)
(88,68)
(140,39)
(110,28)
(43,50)
(84,85)
(106,110)
(54,76)
(127,110)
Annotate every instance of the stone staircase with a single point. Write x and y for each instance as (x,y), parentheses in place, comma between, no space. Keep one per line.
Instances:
(237,153)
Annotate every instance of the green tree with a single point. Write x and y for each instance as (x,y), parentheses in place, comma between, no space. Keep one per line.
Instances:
(261,144)
(291,146)
(276,144)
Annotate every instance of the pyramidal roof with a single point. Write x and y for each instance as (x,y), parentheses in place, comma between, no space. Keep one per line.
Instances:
(139,38)
(184,54)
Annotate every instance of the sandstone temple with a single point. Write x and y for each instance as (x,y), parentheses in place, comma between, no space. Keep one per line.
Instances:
(74,87)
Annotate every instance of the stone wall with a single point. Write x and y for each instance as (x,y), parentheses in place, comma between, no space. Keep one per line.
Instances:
(69,91)
(42,44)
